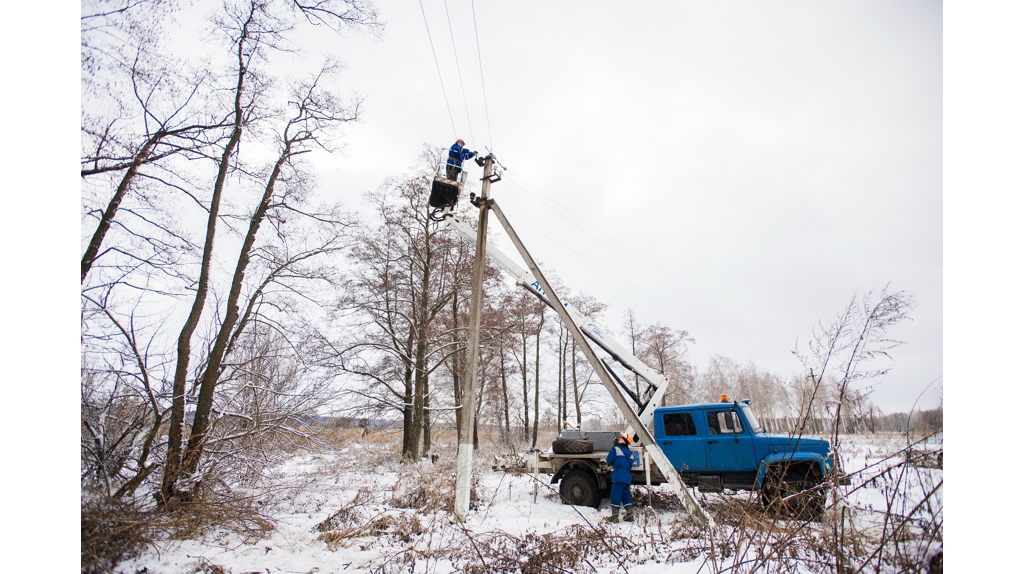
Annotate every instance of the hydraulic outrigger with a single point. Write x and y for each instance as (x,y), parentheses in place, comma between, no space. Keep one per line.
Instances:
(581,328)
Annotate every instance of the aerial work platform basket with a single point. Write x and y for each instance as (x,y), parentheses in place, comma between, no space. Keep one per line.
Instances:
(445,191)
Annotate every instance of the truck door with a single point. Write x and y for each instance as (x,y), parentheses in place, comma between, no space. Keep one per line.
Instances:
(681,443)
(730,447)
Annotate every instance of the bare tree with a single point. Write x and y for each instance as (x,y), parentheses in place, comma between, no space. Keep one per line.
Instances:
(406,275)
(632,327)
(161,112)
(581,370)
(147,122)
(315,113)
(854,348)
(525,312)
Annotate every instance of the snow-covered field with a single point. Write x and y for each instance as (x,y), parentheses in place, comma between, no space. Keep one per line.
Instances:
(357,507)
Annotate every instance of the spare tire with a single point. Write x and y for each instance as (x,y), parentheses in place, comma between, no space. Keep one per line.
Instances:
(572,446)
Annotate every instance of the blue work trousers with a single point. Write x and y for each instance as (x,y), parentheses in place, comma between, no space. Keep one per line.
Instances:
(621,495)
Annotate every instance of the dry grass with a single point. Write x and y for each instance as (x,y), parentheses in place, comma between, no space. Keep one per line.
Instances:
(113,530)
(362,518)
(430,488)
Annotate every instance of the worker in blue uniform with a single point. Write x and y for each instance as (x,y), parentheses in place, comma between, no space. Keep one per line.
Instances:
(620,458)
(456,155)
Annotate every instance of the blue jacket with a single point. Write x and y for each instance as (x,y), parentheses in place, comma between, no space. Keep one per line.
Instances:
(620,459)
(457,154)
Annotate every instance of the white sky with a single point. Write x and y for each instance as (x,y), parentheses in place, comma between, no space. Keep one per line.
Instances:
(747,166)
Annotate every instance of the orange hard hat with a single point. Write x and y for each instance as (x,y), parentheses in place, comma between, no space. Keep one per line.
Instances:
(459,141)
(627,438)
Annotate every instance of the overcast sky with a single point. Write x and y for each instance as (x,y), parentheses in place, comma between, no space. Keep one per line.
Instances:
(739,170)
(735,169)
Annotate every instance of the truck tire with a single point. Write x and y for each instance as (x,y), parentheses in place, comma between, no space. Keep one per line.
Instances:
(572,446)
(808,506)
(579,488)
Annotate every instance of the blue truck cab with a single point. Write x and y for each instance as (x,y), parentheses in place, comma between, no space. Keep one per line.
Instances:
(721,445)
(713,446)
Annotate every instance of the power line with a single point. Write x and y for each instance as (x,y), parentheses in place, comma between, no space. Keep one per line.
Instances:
(634,285)
(636,257)
(642,260)
(465,101)
(483,87)
(455,132)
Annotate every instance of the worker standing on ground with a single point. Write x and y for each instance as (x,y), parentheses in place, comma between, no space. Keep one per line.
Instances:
(456,155)
(620,459)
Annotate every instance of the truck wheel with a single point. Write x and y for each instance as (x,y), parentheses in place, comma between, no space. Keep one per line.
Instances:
(579,489)
(808,506)
(572,446)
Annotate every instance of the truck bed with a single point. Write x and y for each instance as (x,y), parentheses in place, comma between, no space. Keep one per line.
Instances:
(548,462)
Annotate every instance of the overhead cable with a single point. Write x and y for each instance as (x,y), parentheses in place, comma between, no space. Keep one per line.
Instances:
(465,102)
(634,257)
(638,287)
(483,87)
(455,132)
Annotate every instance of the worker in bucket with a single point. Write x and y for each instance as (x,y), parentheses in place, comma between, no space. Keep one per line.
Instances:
(620,458)
(456,155)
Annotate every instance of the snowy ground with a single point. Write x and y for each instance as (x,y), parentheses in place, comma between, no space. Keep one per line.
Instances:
(356,508)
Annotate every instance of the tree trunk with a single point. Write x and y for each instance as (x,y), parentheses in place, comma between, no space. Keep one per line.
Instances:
(456,367)
(409,437)
(479,405)
(526,389)
(426,415)
(504,392)
(565,378)
(176,431)
(122,189)
(204,405)
(536,382)
(561,384)
(576,388)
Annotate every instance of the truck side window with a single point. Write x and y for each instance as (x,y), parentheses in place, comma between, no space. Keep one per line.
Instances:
(679,424)
(724,422)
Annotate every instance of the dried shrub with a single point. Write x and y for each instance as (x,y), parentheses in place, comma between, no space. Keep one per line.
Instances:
(567,550)
(204,566)
(117,530)
(359,518)
(351,514)
(217,507)
(659,499)
(112,531)
(404,527)
(430,488)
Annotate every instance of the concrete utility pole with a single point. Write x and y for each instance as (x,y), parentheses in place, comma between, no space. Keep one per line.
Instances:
(464,471)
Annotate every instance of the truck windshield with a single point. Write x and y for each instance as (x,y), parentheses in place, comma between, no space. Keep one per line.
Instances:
(752,421)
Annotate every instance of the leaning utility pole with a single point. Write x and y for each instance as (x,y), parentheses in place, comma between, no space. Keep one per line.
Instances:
(464,471)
